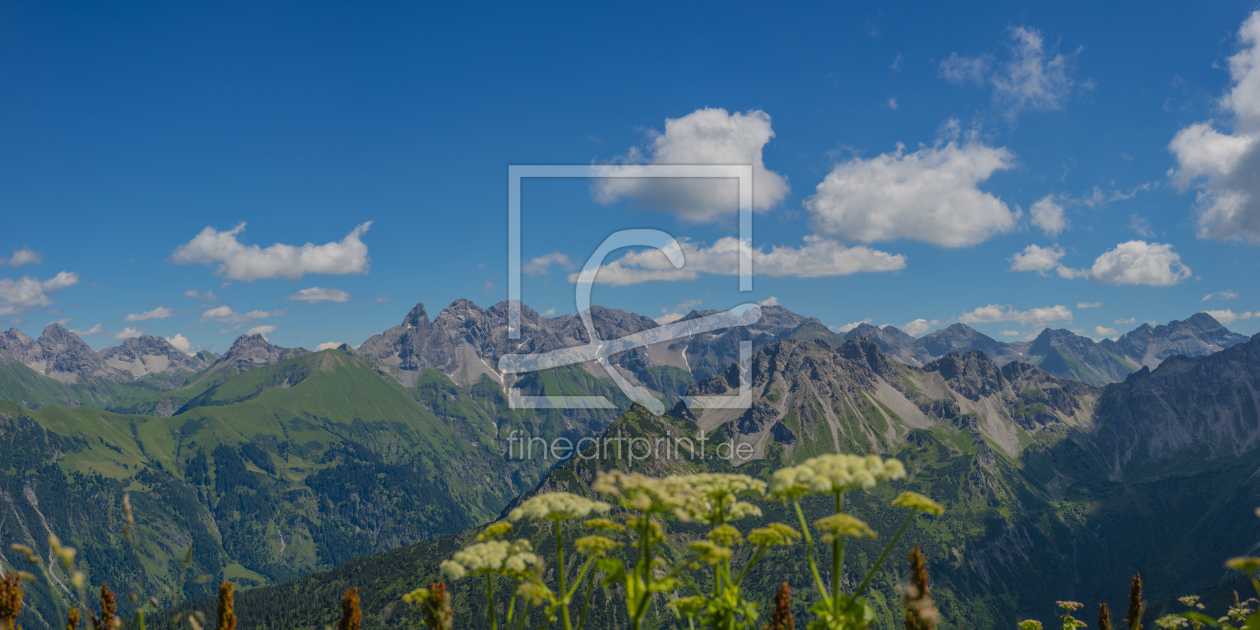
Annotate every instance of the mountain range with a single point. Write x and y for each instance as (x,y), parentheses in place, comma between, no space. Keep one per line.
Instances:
(465,341)
(275,462)
(1054,489)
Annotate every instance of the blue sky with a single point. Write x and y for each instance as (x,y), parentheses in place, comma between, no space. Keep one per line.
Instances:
(1119,139)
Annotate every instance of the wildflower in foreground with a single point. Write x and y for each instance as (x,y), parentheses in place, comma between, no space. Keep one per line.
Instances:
(773,535)
(1172,622)
(650,495)
(921,613)
(227,607)
(781,616)
(714,497)
(916,501)
(493,556)
(1246,564)
(838,525)
(557,506)
(10,600)
(351,615)
(436,603)
(1104,617)
(495,531)
(107,620)
(834,474)
(1134,619)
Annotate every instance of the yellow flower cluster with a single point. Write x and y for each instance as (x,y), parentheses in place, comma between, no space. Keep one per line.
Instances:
(1246,564)
(639,492)
(916,501)
(843,525)
(557,506)
(493,556)
(725,535)
(710,552)
(833,474)
(603,524)
(495,531)
(715,496)
(595,545)
(773,535)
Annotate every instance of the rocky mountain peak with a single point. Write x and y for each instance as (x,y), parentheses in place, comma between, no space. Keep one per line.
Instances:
(251,351)
(973,374)
(64,352)
(417,317)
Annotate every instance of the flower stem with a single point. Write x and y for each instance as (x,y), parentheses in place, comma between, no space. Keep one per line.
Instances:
(837,555)
(809,544)
(564,594)
(590,583)
(494,623)
(884,556)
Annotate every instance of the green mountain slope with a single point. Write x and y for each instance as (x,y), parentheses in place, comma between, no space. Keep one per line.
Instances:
(1054,490)
(273,472)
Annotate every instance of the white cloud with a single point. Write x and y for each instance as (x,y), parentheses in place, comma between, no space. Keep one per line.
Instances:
(1139,262)
(705,136)
(819,257)
(541,265)
(1220,295)
(1125,321)
(1131,262)
(22,256)
(1225,167)
(208,296)
(126,333)
(1228,316)
(927,195)
(919,326)
(180,342)
(1040,316)
(318,294)
(959,69)
(770,301)
(1036,258)
(1047,215)
(26,293)
(548,313)
(83,332)
(237,261)
(851,325)
(892,102)
(1103,331)
(226,315)
(261,330)
(327,345)
(1035,77)
(381,299)
(160,312)
(669,318)
(1010,333)
(1084,305)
